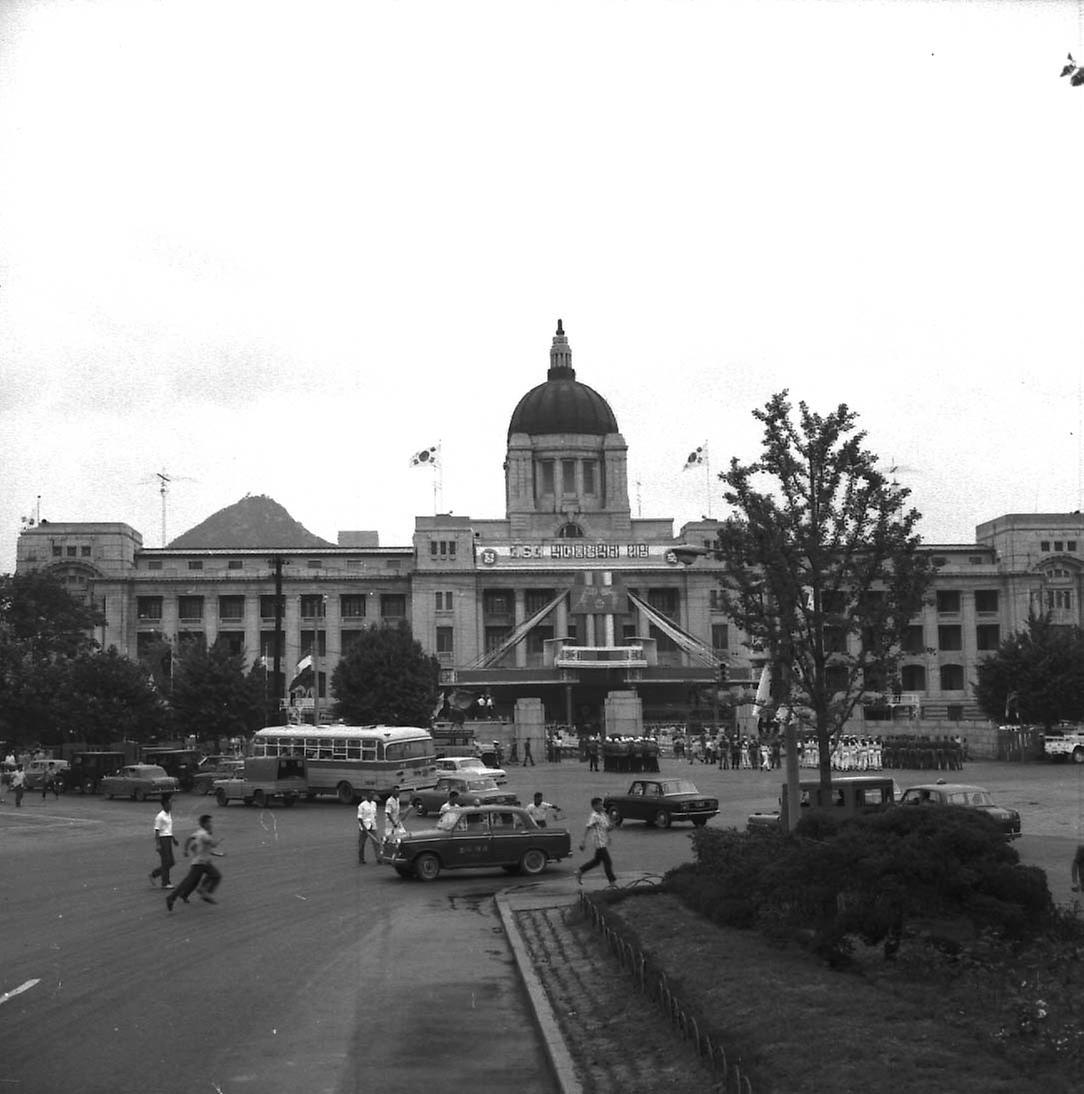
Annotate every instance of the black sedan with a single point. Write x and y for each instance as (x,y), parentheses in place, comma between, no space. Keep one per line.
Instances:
(481,836)
(661,802)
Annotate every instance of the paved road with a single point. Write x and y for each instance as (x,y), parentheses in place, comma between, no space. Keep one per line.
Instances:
(313,973)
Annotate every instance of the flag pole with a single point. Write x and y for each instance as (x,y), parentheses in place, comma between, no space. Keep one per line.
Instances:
(707,476)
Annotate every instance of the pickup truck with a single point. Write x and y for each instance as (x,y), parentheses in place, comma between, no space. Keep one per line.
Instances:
(1065,744)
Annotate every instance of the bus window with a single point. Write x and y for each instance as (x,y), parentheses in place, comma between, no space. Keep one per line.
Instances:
(338,750)
(353,749)
(368,750)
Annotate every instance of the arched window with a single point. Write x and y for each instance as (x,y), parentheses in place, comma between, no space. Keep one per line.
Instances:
(571,530)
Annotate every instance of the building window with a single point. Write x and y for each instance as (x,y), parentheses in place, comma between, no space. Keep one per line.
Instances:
(836,678)
(545,477)
(496,602)
(353,564)
(58,551)
(313,607)
(590,479)
(913,677)
(231,607)
(950,637)
(393,563)
(1058,546)
(267,606)
(537,637)
(307,640)
(987,636)
(663,642)
(495,636)
(715,600)
(835,639)
(72,552)
(85,552)
(628,634)
(445,644)
(952,678)
(948,601)
(571,530)
(149,608)
(1044,545)
(1070,544)
(986,600)
(195,563)
(154,564)
(190,607)
(568,476)
(664,601)
(393,606)
(1061,599)
(267,647)
(235,564)
(720,636)
(445,548)
(232,641)
(352,605)
(535,600)
(315,563)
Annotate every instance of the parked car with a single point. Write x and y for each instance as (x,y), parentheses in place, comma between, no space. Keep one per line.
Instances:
(661,802)
(139,782)
(469,765)
(181,763)
(211,769)
(89,768)
(483,836)
(473,790)
(37,772)
(846,797)
(967,797)
(264,779)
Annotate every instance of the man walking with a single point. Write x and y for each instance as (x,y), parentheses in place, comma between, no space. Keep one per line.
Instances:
(597,831)
(366,824)
(539,810)
(203,876)
(527,757)
(164,842)
(18,784)
(392,813)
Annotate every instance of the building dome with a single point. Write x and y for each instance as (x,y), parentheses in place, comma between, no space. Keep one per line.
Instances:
(562,404)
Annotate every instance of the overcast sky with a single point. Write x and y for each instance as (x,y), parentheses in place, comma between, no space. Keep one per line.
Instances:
(277,248)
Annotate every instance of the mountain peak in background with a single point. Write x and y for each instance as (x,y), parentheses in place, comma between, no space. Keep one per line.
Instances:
(254,521)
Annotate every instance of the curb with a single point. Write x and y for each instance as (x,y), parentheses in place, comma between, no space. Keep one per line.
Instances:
(564,1069)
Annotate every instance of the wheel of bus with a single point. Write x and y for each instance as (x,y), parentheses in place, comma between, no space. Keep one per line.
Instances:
(533,861)
(259,799)
(222,797)
(662,819)
(427,866)
(345,793)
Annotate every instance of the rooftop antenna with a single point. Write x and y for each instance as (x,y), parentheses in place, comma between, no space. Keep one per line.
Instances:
(163,478)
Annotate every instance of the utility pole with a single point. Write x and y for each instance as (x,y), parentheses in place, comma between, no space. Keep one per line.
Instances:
(278,562)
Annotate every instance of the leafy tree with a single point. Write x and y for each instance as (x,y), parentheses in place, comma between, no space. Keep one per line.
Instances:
(1036,676)
(385,678)
(212,695)
(38,612)
(823,564)
(105,697)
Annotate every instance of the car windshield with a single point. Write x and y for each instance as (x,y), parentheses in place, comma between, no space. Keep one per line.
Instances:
(679,786)
(481,784)
(150,772)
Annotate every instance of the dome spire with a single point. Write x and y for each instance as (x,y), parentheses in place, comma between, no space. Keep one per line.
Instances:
(560,356)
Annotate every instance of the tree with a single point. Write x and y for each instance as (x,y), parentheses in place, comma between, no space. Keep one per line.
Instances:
(212,695)
(1036,676)
(41,627)
(104,697)
(385,678)
(824,569)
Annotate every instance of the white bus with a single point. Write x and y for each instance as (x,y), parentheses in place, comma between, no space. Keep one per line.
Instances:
(347,760)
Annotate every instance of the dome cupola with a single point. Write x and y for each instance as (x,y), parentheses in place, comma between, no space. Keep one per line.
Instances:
(562,404)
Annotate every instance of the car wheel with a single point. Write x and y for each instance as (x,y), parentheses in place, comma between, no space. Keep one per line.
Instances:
(1078,755)
(259,799)
(419,807)
(533,861)
(699,822)
(427,866)
(615,816)
(345,793)
(222,797)
(662,819)
(109,796)
(288,802)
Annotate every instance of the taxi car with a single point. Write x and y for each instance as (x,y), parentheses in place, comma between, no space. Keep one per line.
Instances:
(139,782)
(469,765)
(661,802)
(967,797)
(473,790)
(479,837)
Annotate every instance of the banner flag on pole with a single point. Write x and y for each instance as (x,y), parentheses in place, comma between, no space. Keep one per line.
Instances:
(424,457)
(698,456)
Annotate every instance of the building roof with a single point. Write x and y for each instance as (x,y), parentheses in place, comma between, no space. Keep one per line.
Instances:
(562,404)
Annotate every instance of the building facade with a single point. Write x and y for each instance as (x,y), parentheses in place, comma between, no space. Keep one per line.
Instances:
(568,598)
